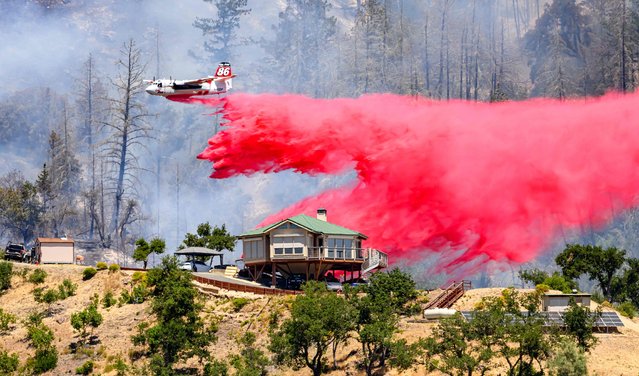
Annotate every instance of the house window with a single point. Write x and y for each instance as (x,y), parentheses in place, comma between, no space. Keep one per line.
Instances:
(253,249)
(348,248)
(340,248)
(288,245)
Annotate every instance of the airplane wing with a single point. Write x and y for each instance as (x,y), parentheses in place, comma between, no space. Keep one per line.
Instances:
(199,81)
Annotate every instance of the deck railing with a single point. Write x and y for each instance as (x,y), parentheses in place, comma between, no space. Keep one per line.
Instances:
(338,254)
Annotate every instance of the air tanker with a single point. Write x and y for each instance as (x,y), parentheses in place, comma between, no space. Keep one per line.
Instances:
(220,83)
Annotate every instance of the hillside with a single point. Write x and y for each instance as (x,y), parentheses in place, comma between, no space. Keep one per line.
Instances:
(614,354)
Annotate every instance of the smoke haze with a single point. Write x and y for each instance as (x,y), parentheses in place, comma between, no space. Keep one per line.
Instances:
(492,181)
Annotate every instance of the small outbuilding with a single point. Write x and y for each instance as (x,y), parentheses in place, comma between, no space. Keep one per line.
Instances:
(55,250)
(561,302)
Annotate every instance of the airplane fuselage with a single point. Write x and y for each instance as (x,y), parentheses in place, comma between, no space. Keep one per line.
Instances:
(168,88)
(219,83)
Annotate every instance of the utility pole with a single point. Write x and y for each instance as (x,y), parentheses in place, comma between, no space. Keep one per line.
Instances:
(157,195)
(157,204)
(177,200)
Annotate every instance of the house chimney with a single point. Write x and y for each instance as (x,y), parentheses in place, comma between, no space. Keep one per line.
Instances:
(321,214)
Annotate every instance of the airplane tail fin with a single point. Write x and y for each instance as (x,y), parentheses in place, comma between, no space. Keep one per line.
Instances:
(223,70)
(224,77)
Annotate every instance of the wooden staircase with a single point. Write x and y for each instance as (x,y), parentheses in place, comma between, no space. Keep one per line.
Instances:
(450,295)
(230,271)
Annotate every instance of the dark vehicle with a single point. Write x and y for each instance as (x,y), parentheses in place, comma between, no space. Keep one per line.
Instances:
(267,280)
(244,274)
(16,251)
(223,266)
(295,281)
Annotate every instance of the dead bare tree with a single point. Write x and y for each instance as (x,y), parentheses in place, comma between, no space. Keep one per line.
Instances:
(91,110)
(126,129)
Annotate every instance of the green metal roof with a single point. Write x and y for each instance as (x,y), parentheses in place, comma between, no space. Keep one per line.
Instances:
(309,223)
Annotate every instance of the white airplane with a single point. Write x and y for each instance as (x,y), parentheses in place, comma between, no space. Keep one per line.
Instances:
(219,83)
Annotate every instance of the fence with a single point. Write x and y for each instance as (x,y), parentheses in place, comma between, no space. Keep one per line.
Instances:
(234,286)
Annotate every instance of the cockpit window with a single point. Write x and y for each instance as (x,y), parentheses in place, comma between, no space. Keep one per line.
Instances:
(159,84)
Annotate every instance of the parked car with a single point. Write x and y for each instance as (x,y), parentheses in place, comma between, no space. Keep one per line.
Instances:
(267,280)
(16,251)
(334,286)
(356,282)
(223,266)
(296,281)
(195,266)
(244,274)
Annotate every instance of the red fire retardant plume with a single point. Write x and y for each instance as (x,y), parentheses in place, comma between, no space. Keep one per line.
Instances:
(476,182)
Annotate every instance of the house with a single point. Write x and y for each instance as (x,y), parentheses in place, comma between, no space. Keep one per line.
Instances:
(308,246)
(55,250)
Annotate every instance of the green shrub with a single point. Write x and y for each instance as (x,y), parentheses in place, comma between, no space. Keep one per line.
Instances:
(8,362)
(542,288)
(251,361)
(6,319)
(37,294)
(139,294)
(414,309)
(216,368)
(114,268)
(45,360)
(85,369)
(125,298)
(88,273)
(176,308)
(558,282)
(88,317)
(118,365)
(41,336)
(6,269)
(101,265)
(38,276)
(567,360)
(138,277)
(579,321)
(597,297)
(66,289)
(49,296)
(33,319)
(108,300)
(239,303)
(42,295)
(627,309)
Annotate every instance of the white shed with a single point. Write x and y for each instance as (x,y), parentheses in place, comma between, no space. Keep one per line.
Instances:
(55,251)
(561,302)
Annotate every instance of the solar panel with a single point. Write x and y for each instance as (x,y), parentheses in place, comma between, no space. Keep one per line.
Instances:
(553,318)
(609,319)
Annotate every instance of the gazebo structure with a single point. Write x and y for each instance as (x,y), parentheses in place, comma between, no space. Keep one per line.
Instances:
(193,252)
(308,246)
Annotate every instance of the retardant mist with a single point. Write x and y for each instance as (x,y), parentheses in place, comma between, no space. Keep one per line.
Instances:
(476,182)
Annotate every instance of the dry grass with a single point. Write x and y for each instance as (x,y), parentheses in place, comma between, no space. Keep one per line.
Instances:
(614,355)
